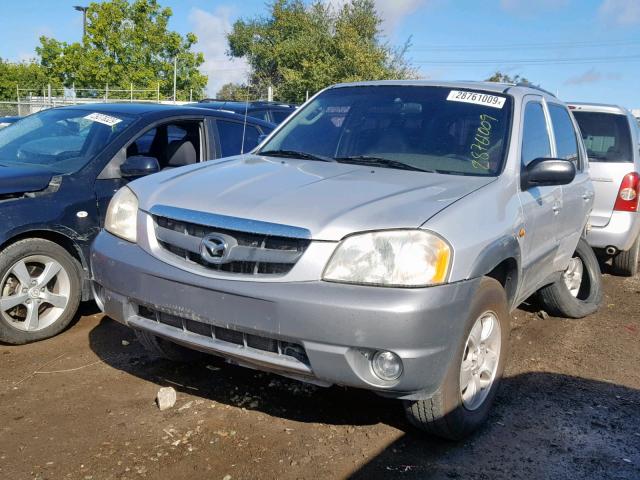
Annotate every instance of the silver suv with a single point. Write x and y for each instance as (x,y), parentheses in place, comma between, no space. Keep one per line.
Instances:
(378,239)
(611,136)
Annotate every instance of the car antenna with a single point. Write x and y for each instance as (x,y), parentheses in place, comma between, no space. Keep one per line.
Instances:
(244,124)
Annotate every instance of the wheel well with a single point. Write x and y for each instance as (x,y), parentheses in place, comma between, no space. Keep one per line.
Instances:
(55,237)
(506,272)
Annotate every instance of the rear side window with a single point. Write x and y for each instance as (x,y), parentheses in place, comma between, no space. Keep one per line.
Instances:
(261,114)
(280,116)
(231,138)
(535,137)
(606,135)
(564,131)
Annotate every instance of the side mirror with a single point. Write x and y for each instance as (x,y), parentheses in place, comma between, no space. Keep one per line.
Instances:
(139,166)
(544,172)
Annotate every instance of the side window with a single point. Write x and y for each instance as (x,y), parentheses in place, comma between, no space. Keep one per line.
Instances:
(564,131)
(535,137)
(230,134)
(261,114)
(174,144)
(280,116)
(143,144)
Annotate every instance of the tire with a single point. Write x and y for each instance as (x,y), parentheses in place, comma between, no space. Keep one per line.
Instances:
(446,414)
(557,298)
(167,349)
(34,272)
(626,263)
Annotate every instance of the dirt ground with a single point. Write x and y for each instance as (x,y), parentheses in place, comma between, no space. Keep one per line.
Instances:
(81,406)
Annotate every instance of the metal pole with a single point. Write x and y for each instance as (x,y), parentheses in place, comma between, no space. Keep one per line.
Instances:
(132,93)
(18,97)
(270,94)
(175,76)
(106,93)
(49,91)
(191,94)
(158,92)
(84,23)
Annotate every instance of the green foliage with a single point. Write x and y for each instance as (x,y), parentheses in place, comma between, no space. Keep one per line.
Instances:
(300,47)
(126,43)
(505,78)
(235,92)
(28,75)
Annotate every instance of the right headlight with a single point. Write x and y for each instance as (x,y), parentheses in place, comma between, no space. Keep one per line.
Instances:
(122,215)
(391,258)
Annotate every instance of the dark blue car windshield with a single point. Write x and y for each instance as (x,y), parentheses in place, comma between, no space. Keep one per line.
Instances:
(61,140)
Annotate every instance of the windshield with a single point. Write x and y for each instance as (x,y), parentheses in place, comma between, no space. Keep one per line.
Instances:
(433,129)
(606,135)
(61,140)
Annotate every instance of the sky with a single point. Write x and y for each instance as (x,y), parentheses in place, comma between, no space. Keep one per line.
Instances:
(581,50)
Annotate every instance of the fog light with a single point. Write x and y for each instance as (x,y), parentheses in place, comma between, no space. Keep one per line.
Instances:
(386,365)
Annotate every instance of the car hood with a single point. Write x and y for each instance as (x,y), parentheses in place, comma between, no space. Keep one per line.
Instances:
(23,179)
(330,200)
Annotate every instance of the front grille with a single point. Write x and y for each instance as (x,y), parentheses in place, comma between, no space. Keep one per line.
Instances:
(252,254)
(236,337)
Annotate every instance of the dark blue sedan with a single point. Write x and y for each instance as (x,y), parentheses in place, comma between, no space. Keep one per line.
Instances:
(58,170)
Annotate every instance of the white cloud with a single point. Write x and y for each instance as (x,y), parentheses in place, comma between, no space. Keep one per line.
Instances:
(620,12)
(527,8)
(392,12)
(592,76)
(212,29)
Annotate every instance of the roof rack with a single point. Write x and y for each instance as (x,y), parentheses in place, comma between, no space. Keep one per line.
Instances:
(250,102)
(535,87)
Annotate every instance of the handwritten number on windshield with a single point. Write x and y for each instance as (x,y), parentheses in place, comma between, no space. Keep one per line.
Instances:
(482,140)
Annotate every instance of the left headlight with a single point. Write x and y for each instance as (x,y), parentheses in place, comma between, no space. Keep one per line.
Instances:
(122,215)
(392,258)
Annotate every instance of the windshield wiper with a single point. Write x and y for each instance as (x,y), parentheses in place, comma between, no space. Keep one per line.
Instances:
(295,154)
(379,162)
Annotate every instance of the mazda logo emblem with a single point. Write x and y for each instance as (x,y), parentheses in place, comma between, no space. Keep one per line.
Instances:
(215,248)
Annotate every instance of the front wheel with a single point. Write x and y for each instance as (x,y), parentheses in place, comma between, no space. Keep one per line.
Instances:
(578,292)
(626,263)
(39,290)
(462,403)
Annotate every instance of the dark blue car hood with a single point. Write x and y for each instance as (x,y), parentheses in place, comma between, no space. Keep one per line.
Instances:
(19,179)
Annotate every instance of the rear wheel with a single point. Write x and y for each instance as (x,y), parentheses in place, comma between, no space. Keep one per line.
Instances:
(626,263)
(39,290)
(578,292)
(462,403)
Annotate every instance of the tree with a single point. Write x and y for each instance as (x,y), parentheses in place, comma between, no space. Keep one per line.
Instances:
(303,48)
(505,78)
(28,76)
(235,92)
(126,43)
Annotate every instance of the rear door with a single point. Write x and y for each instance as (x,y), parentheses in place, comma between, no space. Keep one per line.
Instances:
(235,138)
(577,197)
(541,206)
(607,138)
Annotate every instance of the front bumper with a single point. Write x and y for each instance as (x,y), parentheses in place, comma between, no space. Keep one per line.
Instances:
(338,326)
(621,231)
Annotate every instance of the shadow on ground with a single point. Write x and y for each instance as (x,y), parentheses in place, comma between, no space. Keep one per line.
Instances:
(543,425)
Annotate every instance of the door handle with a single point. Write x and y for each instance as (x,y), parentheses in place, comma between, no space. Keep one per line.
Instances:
(556,208)
(587,196)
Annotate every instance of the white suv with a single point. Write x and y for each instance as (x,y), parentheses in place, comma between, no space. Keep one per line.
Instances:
(611,136)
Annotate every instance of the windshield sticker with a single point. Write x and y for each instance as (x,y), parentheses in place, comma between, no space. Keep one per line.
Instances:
(476,98)
(107,120)
(481,143)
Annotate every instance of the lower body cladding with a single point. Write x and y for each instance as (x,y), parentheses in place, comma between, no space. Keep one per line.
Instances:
(620,233)
(320,332)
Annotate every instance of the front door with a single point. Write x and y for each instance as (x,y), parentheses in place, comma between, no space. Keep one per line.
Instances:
(541,206)
(173,143)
